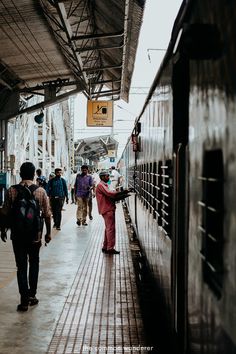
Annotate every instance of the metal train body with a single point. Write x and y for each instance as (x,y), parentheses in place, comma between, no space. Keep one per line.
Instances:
(181,161)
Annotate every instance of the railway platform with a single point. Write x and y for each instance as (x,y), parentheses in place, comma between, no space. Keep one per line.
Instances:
(88,301)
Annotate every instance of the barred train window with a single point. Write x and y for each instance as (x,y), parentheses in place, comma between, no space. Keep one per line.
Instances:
(211,227)
(166,197)
(159,193)
(156,191)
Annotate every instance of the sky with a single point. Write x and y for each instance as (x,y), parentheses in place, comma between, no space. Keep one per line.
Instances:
(158,20)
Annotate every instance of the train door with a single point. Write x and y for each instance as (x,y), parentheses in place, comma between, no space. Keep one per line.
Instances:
(180,85)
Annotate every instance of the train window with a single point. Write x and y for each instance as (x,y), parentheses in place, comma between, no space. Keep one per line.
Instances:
(154,189)
(137,180)
(151,188)
(166,196)
(142,183)
(211,226)
(149,175)
(159,194)
(146,185)
(131,176)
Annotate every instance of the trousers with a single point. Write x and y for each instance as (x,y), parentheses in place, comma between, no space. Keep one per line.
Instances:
(82,206)
(110,230)
(56,206)
(27,254)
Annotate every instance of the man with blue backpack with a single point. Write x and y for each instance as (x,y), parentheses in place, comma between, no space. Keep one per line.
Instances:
(25,209)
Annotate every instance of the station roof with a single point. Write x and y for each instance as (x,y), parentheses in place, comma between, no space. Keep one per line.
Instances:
(95,148)
(84,45)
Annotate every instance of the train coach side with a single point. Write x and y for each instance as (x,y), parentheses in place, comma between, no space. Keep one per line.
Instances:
(181,162)
(212,184)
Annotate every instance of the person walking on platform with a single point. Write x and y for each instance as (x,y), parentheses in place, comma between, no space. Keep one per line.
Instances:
(57,192)
(115,178)
(107,208)
(90,203)
(83,187)
(26,236)
(41,180)
(72,187)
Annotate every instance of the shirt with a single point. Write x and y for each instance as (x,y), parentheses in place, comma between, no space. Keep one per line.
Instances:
(83,184)
(39,193)
(114,175)
(57,187)
(103,195)
(96,178)
(72,180)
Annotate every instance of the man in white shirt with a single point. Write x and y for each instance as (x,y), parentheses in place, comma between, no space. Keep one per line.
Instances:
(96,178)
(72,186)
(115,178)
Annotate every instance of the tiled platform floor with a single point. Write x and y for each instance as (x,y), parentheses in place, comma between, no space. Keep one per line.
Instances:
(88,300)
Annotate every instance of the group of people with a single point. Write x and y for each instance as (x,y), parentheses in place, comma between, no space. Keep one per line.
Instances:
(50,197)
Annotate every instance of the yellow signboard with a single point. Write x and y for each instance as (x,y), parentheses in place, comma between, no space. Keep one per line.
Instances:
(100,114)
(111,153)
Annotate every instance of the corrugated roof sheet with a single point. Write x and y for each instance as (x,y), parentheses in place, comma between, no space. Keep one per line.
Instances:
(90,43)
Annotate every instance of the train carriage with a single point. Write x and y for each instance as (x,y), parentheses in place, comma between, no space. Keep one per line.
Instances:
(180,160)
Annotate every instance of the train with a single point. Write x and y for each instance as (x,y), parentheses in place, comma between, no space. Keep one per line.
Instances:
(180,160)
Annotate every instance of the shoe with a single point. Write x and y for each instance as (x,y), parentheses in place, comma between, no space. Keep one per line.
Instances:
(54,226)
(58,228)
(112,251)
(78,222)
(33,301)
(84,223)
(91,218)
(22,308)
(104,250)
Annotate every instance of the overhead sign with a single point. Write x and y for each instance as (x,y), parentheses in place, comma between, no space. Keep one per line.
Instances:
(111,153)
(100,114)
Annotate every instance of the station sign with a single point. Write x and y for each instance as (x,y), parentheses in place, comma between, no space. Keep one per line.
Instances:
(100,113)
(111,153)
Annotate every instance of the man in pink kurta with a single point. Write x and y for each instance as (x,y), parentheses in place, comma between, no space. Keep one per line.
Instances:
(107,208)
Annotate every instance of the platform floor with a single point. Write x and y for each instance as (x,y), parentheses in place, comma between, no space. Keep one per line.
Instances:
(88,300)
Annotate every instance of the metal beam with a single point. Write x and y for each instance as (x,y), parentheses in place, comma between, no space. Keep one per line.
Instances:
(4,83)
(87,49)
(124,58)
(98,36)
(42,87)
(106,93)
(44,104)
(118,66)
(105,82)
(63,16)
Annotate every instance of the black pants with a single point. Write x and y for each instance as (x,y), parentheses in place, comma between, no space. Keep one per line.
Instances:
(90,206)
(27,254)
(56,206)
(72,195)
